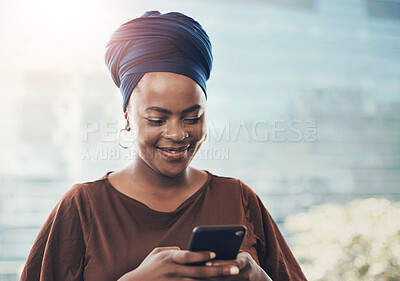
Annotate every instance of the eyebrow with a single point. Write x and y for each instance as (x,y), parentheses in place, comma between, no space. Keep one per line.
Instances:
(166,111)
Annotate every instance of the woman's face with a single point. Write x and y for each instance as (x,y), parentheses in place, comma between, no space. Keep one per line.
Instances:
(166,114)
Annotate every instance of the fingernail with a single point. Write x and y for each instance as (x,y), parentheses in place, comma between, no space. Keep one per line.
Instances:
(234,270)
(209,263)
(212,255)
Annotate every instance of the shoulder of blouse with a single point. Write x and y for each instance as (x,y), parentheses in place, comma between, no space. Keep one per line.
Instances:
(77,200)
(231,182)
(249,199)
(82,190)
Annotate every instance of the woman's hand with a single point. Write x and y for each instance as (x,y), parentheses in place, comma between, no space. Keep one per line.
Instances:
(249,270)
(170,263)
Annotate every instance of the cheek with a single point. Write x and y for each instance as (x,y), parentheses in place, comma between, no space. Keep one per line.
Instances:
(198,132)
(145,135)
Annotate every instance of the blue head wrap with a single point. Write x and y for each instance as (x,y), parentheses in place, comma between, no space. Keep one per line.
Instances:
(155,42)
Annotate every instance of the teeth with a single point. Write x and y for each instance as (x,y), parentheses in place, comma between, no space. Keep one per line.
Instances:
(174,150)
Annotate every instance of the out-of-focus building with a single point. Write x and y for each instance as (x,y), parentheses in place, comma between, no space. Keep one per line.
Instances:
(307,90)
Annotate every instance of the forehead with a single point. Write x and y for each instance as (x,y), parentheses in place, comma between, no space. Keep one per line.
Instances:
(167,90)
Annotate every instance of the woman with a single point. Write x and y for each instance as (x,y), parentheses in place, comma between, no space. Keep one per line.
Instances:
(135,224)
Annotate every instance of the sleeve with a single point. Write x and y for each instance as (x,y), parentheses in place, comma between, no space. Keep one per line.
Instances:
(58,252)
(273,252)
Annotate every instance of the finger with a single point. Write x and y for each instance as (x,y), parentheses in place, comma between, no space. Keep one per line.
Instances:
(162,249)
(184,257)
(205,271)
(220,262)
(243,260)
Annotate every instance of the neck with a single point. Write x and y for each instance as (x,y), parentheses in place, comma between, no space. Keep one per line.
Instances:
(154,181)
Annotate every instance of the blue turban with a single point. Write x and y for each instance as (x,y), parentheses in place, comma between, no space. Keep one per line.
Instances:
(155,42)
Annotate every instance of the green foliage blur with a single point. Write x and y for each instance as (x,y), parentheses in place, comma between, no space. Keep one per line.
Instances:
(356,241)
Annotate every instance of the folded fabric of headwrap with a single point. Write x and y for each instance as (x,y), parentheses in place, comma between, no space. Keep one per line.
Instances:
(154,42)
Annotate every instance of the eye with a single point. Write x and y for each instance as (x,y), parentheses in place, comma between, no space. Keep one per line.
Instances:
(191,120)
(154,122)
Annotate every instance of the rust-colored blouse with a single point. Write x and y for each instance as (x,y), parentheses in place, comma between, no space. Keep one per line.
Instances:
(97,233)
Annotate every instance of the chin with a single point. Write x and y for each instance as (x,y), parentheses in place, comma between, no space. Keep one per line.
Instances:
(172,171)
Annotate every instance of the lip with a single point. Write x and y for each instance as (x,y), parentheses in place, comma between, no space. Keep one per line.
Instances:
(173,153)
(176,148)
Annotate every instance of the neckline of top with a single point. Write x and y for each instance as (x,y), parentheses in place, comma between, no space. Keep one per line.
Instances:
(180,207)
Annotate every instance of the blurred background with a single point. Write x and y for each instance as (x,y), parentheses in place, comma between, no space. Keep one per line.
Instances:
(303,106)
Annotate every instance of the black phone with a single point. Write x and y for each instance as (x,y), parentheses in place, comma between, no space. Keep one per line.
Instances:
(223,240)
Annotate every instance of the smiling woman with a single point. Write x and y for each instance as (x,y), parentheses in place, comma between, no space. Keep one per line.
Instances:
(135,223)
(167,115)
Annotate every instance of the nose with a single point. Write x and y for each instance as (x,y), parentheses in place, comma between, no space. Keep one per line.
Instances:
(175,130)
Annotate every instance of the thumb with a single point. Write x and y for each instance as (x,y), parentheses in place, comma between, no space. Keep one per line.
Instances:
(162,249)
(159,250)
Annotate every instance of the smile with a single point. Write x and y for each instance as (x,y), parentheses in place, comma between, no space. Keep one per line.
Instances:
(173,153)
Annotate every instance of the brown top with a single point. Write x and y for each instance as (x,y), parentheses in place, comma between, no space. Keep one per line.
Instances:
(97,233)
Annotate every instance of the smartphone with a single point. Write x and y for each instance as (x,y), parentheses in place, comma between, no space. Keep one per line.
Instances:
(223,240)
